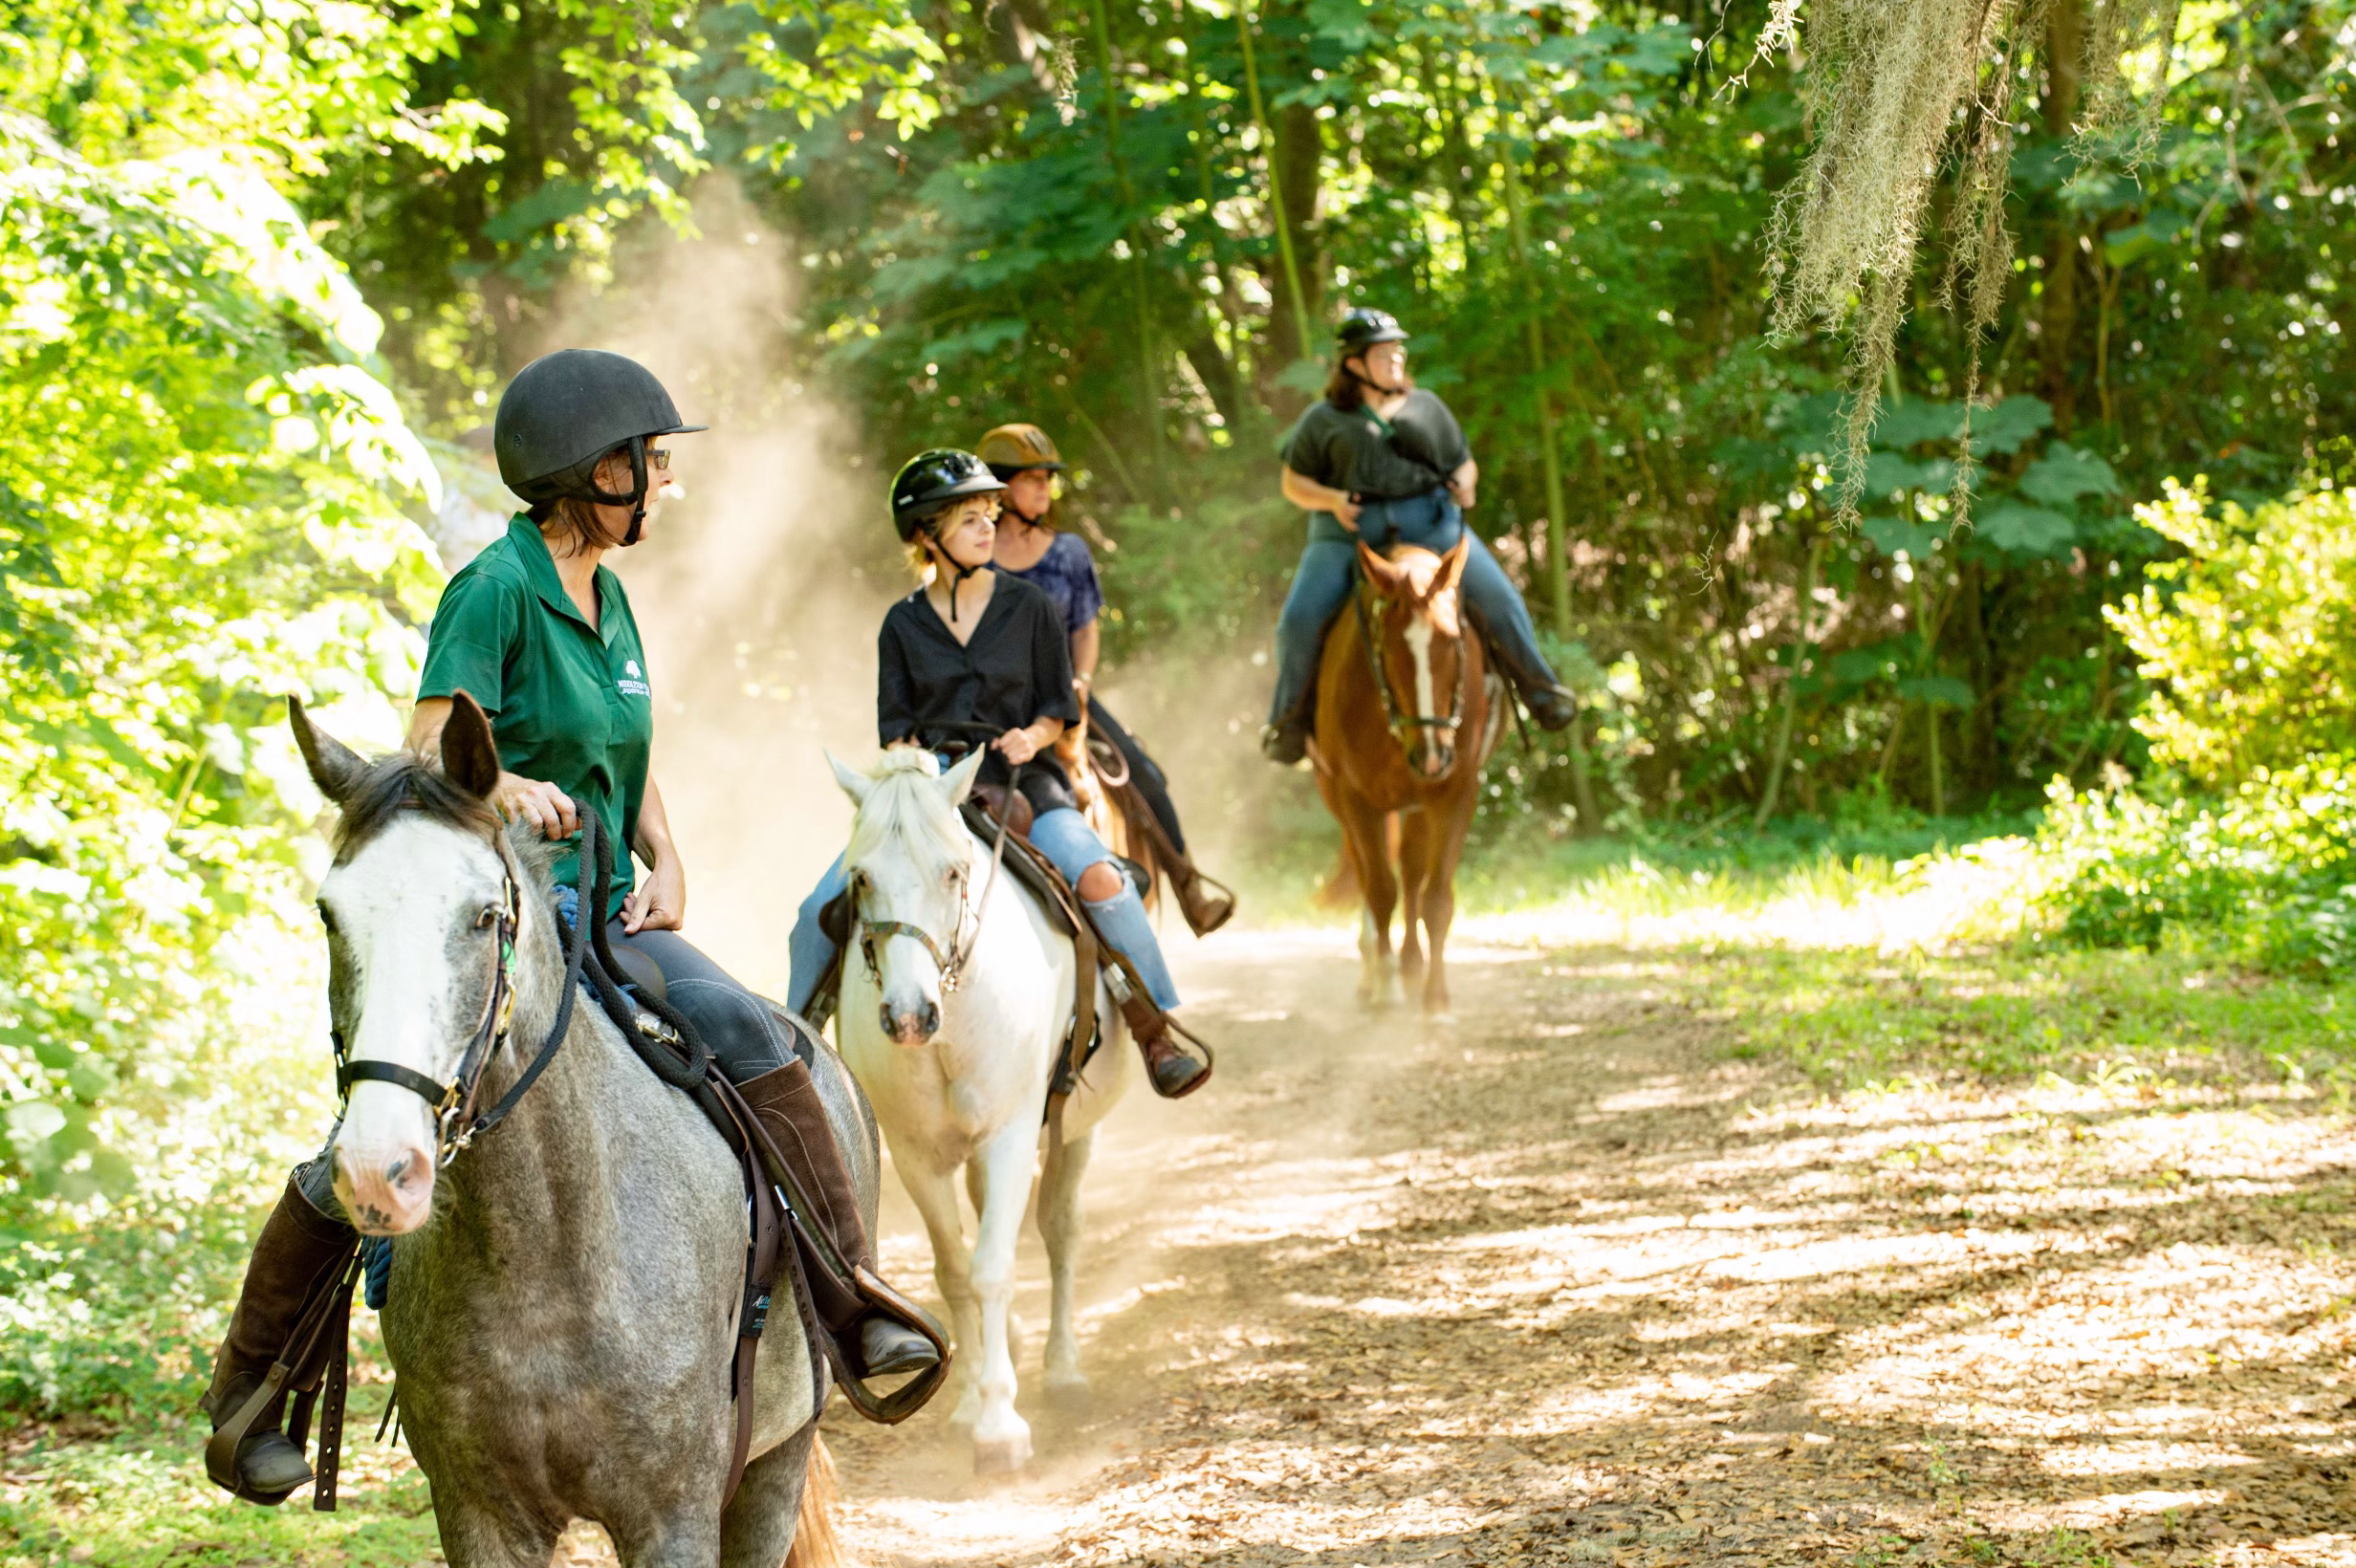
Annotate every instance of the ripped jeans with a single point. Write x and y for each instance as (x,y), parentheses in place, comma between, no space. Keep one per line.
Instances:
(1064,836)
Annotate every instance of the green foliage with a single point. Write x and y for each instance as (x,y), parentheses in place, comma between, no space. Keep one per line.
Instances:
(200,516)
(2250,638)
(2267,875)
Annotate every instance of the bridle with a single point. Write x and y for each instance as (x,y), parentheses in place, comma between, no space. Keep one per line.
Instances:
(953,963)
(456,1125)
(1403,725)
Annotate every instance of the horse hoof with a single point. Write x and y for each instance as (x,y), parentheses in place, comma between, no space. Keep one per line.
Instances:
(1070,1394)
(1003,1456)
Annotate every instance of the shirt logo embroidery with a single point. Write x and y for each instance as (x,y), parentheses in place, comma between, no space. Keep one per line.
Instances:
(631,685)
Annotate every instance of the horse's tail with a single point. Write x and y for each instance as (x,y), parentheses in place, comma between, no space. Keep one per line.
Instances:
(816,1543)
(1341,885)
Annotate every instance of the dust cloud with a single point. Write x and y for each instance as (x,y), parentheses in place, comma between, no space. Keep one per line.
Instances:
(759,589)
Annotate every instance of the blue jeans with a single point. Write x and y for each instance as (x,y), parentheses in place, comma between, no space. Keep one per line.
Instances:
(1071,846)
(1328,573)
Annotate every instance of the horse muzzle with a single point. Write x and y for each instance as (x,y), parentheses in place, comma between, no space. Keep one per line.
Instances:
(910,1028)
(385,1191)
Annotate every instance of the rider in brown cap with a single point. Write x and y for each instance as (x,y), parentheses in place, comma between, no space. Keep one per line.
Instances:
(1034,546)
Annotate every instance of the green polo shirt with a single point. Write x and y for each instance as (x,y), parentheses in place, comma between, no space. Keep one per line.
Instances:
(568,705)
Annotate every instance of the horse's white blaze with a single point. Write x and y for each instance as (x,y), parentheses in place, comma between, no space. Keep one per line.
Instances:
(398,906)
(970,1096)
(1419,644)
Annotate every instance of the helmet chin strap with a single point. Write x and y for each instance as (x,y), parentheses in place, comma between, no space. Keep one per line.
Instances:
(636,500)
(1370,381)
(958,573)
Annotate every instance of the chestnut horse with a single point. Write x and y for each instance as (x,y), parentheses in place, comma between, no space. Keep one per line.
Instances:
(1404,708)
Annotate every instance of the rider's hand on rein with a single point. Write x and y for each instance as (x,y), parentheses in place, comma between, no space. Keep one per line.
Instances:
(543,805)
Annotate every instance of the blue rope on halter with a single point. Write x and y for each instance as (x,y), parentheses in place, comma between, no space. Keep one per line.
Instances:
(376,1261)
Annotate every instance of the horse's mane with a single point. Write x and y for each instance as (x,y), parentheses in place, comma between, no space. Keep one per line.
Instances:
(403,781)
(903,808)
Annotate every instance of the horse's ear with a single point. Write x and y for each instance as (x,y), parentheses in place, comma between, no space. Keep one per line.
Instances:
(1452,565)
(855,783)
(470,758)
(1378,569)
(333,767)
(960,778)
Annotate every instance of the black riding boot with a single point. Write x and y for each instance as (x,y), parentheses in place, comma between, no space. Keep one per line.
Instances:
(300,1253)
(1551,703)
(1286,741)
(786,1102)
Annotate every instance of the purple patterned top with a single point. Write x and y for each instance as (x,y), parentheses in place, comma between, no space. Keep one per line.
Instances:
(1067,573)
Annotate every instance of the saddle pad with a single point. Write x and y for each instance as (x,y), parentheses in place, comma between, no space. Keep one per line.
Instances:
(1028,867)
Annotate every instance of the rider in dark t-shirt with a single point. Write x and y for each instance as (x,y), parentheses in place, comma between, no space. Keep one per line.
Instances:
(1381,461)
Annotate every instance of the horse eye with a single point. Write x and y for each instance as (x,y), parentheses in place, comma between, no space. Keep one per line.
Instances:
(488,918)
(327,918)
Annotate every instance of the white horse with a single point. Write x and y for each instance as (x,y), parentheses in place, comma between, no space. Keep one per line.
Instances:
(958,1072)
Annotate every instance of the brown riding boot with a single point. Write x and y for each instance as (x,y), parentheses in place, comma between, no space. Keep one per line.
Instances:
(300,1253)
(1205,902)
(786,1101)
(1174,1073)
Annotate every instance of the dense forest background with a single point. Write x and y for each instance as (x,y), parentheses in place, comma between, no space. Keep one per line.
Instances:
(263,271)
(1133,223)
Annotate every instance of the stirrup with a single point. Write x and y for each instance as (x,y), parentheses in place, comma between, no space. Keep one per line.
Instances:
(892,1409)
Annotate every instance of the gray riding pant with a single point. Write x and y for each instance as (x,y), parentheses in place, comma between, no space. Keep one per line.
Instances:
(746,1039)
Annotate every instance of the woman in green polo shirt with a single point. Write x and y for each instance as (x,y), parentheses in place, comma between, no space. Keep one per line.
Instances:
(540,634)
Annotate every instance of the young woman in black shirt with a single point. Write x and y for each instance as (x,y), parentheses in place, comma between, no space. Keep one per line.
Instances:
(975,651)
(1382,460)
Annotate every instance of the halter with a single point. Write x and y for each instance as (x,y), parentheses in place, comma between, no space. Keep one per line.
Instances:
(1403,725)
(951,964)
(452,1103)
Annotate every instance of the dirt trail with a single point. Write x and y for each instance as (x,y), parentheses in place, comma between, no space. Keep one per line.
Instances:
(1570,1284)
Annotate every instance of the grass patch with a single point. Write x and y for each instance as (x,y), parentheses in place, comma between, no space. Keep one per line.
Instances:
(1858,1020)
(139,1500)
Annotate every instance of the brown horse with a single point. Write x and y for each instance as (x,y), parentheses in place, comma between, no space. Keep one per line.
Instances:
(1403,704)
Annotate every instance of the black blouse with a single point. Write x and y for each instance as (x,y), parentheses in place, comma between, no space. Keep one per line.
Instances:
(1016,669)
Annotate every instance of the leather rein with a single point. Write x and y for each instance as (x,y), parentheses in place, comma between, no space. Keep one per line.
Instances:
(1403,725)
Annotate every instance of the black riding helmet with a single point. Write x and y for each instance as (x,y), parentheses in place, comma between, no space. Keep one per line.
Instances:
(927,484)
(1365,327)
(564,411)
(932,480)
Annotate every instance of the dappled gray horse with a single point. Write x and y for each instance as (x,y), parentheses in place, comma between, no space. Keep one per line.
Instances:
(564,1295)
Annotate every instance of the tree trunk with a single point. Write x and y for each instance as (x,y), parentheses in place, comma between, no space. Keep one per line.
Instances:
(2066,53)
(1296,317)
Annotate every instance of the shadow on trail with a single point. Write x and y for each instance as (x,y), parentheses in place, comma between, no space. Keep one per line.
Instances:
(1568,1283)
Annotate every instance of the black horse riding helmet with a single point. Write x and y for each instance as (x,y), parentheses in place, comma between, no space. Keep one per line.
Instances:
(564,411)
(1010,449)
(932,480)
(1363,327)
